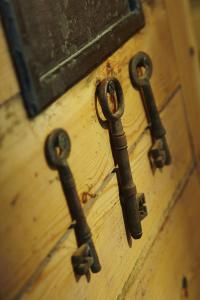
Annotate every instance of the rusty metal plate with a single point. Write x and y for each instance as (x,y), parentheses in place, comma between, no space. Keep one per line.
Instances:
(56,43)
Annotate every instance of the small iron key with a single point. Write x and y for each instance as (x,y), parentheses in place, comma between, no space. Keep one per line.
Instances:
(57,151)
(140,69)
(134,204)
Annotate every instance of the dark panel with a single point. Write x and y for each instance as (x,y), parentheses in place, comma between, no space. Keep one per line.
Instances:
(56,43)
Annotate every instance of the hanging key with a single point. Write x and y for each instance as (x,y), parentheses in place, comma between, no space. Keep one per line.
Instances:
(57,151)
(140,72)
(133,203)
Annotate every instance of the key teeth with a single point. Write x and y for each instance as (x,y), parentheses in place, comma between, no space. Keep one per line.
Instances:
(81,269)
(82,260)
(158,158)
(142,206)
(159,154)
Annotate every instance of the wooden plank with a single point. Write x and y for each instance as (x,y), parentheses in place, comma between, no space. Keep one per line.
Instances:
(55,278)
(34,208)
(8,82)
(180,21)
(174,255)
(196,21)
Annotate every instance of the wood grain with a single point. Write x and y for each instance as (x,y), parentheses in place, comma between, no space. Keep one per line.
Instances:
(55,279)
(180,21)
(8,82)
(196,21)
(174,255)
(34,208)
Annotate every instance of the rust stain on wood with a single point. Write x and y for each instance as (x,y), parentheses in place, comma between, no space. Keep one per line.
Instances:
(15,200)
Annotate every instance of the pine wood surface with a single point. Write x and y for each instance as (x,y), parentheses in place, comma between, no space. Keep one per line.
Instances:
(105,218)
(33,203)
(174,255)
(186,49)
(35,217)
(196,21)
(8,82)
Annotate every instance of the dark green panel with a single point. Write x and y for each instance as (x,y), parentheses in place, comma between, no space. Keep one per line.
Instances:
(56,43)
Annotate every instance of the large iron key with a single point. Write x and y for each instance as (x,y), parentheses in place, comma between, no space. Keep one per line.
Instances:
(57,151)
(140,72)
(133,203)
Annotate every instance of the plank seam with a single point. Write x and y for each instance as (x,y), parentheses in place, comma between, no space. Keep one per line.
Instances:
(189,131)
(170,97)
(8,100)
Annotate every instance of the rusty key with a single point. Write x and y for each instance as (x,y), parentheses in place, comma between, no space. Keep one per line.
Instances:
(134,204)
(58,148)
(140,69)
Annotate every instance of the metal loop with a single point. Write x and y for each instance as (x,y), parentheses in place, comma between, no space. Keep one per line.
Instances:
(140,60)
(105,88)
(58,147)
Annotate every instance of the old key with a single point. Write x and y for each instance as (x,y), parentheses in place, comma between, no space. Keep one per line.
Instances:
(133,203)
(57,151)
(140,72)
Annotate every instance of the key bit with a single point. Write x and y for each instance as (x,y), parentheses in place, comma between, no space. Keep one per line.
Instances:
(140,70)
(82,260)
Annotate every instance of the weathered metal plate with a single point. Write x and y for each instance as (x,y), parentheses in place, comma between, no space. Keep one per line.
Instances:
(55,43)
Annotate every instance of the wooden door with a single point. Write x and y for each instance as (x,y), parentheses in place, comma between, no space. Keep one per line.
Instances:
(36,239)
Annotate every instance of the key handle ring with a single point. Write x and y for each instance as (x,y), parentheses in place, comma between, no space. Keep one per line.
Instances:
(107,86)
(140,60)
(57,148)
